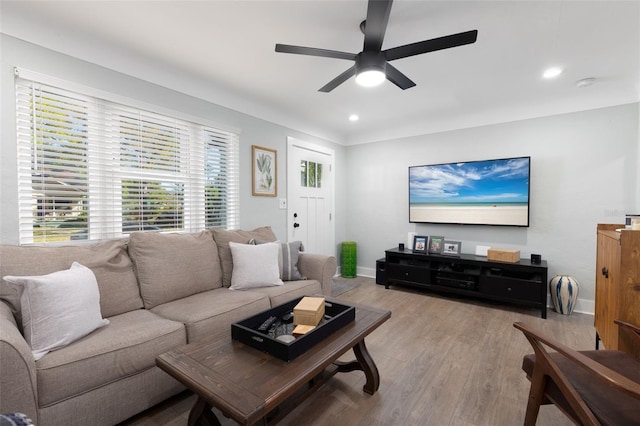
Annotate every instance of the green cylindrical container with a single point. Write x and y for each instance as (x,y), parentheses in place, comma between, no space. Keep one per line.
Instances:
(349,259)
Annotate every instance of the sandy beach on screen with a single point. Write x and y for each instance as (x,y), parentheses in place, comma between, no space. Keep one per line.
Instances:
(489,215)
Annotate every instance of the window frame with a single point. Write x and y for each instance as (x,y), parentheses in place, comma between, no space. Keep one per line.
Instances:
(104,187)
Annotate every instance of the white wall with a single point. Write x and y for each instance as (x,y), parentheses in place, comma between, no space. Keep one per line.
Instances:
(584,169)
(584,172)
(637,209)
(254,211)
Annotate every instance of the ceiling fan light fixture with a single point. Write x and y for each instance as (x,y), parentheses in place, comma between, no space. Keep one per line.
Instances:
(370,78)
(370,68)
(372,65)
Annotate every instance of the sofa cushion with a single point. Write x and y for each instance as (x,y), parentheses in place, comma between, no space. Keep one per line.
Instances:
(129,345)
(108,260)
(172,266)
(211,313)
(290,290)
(254,266)
(223,237)
(58,308)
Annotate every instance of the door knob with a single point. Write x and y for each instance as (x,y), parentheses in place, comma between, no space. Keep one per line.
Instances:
(605,272)
(296,225)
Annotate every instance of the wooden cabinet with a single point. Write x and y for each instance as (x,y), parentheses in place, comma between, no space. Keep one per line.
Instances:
(617,285)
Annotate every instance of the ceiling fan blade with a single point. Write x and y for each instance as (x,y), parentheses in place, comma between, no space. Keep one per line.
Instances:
(397,78)
(446,42)
(338,80)
(376,24)
(312,51)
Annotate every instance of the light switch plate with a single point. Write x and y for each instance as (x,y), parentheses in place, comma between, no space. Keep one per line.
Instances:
(283,203)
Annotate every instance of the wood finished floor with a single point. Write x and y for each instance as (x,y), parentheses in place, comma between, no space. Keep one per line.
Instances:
(442,361)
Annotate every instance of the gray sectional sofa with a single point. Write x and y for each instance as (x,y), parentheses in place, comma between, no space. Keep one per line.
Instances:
(157,291)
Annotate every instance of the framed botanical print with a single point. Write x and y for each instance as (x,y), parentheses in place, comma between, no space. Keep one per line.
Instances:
(264,171)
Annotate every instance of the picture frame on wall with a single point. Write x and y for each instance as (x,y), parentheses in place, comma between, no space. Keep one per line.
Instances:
(264,171)
(451,248)
(435,244)
(420,243)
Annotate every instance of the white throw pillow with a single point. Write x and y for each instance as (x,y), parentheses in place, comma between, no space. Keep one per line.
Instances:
(254,266)
(58,308)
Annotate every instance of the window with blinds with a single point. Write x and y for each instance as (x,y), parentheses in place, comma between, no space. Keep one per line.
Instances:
(92,169)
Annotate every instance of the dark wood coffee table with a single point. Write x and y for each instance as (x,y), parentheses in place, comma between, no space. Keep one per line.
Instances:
(252,387)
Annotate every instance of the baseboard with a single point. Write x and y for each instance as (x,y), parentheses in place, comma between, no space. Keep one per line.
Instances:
(360,272)
(583,306)
(366,272)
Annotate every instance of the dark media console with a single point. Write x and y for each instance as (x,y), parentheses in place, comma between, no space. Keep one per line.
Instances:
(520,283)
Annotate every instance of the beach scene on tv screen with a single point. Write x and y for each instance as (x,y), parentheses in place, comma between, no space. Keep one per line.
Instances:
(494,192)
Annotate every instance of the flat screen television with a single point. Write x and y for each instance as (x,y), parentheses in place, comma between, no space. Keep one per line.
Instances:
(491,192)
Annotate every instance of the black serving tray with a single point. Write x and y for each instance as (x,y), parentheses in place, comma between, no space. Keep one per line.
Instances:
(246,331)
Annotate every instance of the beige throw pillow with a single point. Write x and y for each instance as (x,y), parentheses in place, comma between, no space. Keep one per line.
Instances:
(254,266)
(58,308)
(222,238)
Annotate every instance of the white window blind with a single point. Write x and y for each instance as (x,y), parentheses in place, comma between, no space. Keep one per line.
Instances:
(94,169)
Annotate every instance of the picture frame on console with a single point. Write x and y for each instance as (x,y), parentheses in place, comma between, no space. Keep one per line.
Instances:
(451,248)
(435,244)
(420,244)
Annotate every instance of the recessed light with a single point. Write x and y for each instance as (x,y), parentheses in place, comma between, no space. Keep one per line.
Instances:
(354,117)
(552,72)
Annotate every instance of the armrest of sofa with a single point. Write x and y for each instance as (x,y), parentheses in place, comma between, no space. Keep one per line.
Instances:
(18,385)
(318,267)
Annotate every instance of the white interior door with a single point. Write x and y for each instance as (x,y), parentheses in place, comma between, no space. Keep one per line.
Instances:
(310,196)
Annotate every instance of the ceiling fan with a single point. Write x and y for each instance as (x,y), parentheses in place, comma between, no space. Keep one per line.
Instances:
(372,64)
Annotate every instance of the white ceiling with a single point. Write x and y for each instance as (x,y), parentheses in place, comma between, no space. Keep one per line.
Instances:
(223,51)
